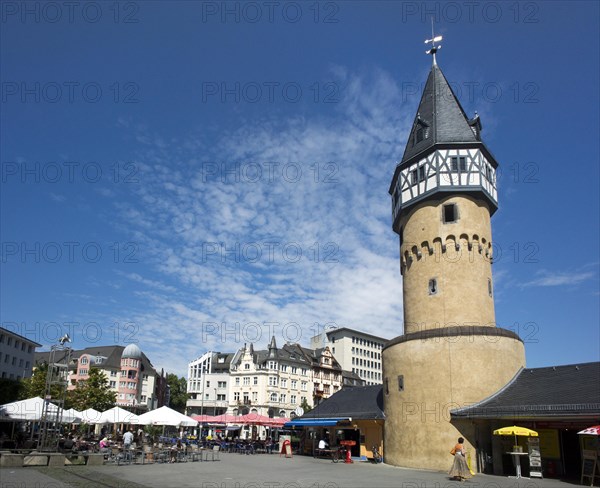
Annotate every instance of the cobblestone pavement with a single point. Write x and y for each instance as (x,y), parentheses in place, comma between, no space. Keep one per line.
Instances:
(259,471)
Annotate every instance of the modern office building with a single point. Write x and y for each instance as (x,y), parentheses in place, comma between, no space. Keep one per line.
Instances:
(16,355)
(356,351)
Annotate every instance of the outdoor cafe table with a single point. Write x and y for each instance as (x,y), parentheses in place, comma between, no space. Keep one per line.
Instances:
(517,462)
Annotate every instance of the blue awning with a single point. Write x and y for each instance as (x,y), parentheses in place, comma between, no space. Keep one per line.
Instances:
(315,422)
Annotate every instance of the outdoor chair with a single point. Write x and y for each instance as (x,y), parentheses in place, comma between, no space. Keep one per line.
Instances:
(215,453)
(196,453)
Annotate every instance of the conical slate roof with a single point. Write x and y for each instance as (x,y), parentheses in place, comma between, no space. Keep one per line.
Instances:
(440,116)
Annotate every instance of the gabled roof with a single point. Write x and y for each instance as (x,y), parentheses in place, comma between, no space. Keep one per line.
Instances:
(441,114)
(360,402)
(221,367)
(556,391)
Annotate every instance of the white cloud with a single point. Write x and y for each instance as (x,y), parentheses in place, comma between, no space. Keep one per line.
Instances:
(549,278)
(307,240)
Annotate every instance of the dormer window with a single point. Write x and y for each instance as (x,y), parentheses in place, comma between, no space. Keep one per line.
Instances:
(420,134)
(421,131)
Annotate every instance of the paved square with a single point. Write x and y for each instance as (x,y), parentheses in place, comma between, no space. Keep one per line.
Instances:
(259,471)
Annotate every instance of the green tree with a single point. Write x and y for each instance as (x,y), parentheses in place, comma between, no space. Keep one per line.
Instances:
(307,408)
(36,385)
(178,392)
(94,393)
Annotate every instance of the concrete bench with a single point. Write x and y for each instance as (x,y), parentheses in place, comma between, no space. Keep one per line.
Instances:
(35,459)
(95,459)
(56,459)
(10,460)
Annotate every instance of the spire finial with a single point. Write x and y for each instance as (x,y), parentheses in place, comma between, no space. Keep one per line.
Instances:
(434,49)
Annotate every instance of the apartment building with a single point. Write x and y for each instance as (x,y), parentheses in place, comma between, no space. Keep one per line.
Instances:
(355,351)
(128,370)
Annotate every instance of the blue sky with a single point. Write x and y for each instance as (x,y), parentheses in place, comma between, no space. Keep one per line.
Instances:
(191,178)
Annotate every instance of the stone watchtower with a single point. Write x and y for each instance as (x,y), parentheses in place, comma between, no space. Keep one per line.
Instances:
(451,353)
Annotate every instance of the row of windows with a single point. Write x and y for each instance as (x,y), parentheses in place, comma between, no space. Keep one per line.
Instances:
(366,342)
(9,341)
(7,360)
(364,352)
(274,398)
(366,362)
(458,164)
(363,373)
(134,363)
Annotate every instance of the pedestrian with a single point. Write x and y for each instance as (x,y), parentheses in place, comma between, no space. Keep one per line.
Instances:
(128,439)
(460,470)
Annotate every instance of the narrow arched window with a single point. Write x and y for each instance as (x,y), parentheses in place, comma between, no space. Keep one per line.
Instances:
(433,286)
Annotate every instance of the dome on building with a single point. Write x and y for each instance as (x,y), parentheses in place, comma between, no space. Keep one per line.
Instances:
(132,351)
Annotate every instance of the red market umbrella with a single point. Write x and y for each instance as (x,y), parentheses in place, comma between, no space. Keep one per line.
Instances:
(277,422)
(595,430)
(254,419)
(204,419)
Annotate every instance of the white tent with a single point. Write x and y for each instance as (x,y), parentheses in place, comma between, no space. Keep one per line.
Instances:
(90,416)
(32,410)
(117,415)
(72,413)
(166,416)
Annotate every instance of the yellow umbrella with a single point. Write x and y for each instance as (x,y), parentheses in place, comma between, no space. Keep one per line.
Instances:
(516,431)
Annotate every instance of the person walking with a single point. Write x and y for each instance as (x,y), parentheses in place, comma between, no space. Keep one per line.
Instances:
(460,469)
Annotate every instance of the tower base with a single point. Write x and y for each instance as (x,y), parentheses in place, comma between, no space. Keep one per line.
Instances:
(428,374)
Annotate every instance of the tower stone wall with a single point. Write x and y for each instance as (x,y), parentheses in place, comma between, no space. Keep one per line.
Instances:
(457,256)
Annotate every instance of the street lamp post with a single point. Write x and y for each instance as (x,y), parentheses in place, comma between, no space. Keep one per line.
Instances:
(202,399)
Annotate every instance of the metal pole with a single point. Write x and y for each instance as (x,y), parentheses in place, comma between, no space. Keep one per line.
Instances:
(202,400)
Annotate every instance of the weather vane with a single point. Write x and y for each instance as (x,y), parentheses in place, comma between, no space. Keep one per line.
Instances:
(433,40)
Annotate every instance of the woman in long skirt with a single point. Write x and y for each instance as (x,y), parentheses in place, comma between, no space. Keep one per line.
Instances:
(460,469)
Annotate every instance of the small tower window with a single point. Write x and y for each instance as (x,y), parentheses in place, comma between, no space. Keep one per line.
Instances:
(458,163)
(420,134)
(489,286)
(413,177)
(433,286)
(422,173)
(401,382)
(450,213)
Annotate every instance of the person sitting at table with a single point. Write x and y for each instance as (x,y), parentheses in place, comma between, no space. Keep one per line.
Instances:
(175,449)
(103,445)
(323,444)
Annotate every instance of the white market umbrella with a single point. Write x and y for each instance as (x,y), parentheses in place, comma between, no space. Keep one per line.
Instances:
(90,416)
(117,415)
(166,416)
(32,410)
(71,413)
